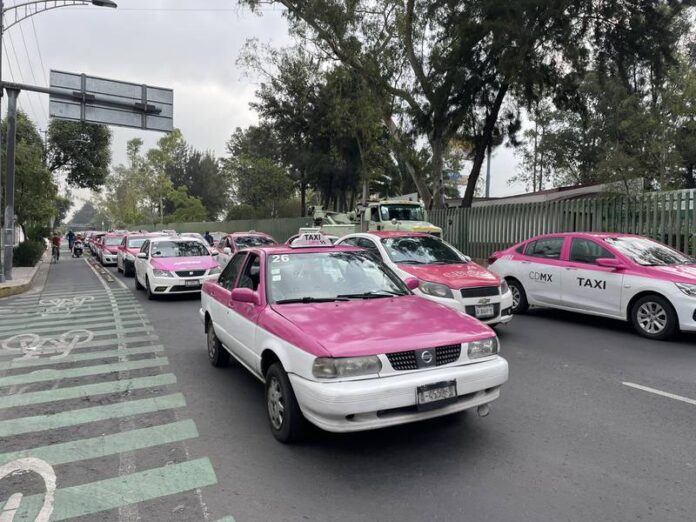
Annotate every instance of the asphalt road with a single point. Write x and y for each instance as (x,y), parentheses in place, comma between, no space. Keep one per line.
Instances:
(567,440)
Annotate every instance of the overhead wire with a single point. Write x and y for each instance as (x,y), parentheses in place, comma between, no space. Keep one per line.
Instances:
(9,67)
(38,48)
(31,70)
(21,76)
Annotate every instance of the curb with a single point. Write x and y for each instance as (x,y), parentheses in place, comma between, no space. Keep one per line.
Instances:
(23,287)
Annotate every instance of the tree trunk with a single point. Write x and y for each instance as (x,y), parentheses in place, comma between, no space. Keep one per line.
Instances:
(438,151)
(418,180)
(303,194)
(482,145)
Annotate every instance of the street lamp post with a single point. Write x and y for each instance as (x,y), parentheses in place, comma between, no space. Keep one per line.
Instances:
(21,12)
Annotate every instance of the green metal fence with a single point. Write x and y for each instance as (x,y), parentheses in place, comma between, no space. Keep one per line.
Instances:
(666,216)
(281,229)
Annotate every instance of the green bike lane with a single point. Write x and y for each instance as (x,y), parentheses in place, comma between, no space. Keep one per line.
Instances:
(92,423)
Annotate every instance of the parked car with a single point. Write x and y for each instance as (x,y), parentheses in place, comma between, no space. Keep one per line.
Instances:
(622,276)
(128,250)
(173,265)
(339,340)
(94,242)
(217,237)
(200,237)
(233,243)
(445,275)
(108,248)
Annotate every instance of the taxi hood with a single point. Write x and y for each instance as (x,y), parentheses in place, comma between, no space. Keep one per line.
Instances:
(184,263)
(464,275)
(375,326)
(677,273)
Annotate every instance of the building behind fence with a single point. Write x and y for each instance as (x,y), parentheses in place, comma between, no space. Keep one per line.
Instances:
(665,216)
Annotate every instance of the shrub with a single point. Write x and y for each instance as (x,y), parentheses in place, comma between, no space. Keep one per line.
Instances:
(28,253)
(37,232)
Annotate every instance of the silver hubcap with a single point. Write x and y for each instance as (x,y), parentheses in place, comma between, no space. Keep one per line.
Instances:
(651,317)
(515,296)
(211,342)
(276,409)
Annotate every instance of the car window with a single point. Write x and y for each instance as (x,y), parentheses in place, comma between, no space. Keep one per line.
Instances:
(179,249)
(145,246)
(586,251)
(243,242)
(549,248)
(229,274)
(420,250)
(351,241)
(251,274)
(369,245)
(647,252)
(123,242)
(374,215)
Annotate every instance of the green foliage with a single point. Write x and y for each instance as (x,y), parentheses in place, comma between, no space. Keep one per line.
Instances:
(37,232)
(81,150)
(283,209)
(259,182)
(63,204)
(28,253)
(84,215)
(187,208)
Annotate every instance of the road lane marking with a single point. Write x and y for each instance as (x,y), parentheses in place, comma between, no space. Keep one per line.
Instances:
(87,499)
(70,373)
(82,320)
(660,392)
(75,357)
(105,445)
(87,390)
(106,342)
(21,329)
(64,419)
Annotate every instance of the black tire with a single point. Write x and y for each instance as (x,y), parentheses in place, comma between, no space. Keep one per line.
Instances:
(127,270)
(138,286)
(290,425)
(217,354)
(150,294)
(519,296)
(654,317)
(118,268)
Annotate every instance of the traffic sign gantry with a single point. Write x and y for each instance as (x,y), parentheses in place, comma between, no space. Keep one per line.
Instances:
(79,97)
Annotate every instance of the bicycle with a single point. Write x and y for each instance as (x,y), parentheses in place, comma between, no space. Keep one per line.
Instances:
(55,254)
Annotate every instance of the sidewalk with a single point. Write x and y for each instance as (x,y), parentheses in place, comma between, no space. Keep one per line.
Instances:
(22,278)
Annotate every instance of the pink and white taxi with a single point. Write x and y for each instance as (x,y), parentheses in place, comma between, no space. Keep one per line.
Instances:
(173,265)
(445,275)
(623,276)
(339,340)
(108,248)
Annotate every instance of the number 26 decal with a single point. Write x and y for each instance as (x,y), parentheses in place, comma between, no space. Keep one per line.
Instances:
(280,258)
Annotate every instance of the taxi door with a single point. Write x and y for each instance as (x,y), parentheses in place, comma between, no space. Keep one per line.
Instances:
(540,270)
(220,310)
(587,286)
(246,315)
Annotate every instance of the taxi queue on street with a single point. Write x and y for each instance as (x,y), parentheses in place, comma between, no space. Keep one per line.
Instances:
(383,328)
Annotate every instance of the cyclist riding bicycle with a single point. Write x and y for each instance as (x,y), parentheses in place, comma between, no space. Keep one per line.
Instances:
(55,242)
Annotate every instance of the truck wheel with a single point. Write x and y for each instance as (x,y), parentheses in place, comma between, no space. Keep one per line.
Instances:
(284,415)
(217,355)
(653,317)
(519,297)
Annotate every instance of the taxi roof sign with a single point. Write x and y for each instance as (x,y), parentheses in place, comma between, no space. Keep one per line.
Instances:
(311,240)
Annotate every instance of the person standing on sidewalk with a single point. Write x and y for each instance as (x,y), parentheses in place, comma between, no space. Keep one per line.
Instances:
(55,244)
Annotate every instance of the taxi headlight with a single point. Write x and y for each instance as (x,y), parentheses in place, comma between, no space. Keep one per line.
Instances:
(161,273)
(330,368)
(484,348)
(688,289)
(504,287)
(435,289)
(214,270)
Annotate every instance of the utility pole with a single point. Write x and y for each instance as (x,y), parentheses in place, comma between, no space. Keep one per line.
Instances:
(2,235)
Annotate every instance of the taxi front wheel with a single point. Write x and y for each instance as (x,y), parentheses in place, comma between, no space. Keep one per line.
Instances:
(217,355)
(519,297)
(284,414)
(653,317)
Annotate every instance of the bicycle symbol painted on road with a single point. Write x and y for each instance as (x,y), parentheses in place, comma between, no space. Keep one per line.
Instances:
(45,471)
(65,306)
(33,346)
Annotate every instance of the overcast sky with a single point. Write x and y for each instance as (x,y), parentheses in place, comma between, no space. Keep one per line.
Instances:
(190,46)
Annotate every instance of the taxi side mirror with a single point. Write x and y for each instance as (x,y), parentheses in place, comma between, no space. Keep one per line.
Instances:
(609,262)
(142,255)
(245,295)
(412,283)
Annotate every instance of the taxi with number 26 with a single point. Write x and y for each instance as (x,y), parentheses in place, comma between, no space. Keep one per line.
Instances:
(339,340)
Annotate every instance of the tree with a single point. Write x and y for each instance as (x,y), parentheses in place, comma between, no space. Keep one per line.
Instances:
(63,204)
(186,208)
(259,182)
(82,150)
(84,215)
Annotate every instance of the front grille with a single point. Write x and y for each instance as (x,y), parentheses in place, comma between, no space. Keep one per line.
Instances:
(190,273)
(182,288)
(480,291)
(409,360)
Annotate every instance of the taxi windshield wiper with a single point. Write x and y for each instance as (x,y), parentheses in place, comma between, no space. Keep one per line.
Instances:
(370,295)
(409,262)
(308,299)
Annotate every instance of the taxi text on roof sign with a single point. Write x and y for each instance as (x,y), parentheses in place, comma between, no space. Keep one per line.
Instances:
(311,239)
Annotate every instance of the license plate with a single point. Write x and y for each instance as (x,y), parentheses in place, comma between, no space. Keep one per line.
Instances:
(436,395)
(194,282)
(485,311)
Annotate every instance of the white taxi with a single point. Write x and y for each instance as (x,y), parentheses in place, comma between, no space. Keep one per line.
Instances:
(623,276)
(173,265)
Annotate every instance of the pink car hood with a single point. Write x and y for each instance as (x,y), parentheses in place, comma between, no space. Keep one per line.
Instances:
(184,263)
(376,326)
(678,273)
(465,275)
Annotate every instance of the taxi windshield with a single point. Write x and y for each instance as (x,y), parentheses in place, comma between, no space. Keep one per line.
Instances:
(179,249)
(402,212)
(330,276)
(243,242)
(136,242)
(113,241)
(647,252)
(420,250)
